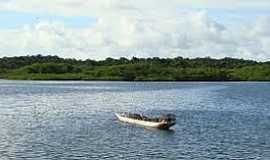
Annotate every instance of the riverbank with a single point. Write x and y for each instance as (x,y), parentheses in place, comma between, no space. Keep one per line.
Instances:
(135,69)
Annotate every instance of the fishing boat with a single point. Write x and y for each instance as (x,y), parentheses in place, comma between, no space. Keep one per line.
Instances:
(163,122)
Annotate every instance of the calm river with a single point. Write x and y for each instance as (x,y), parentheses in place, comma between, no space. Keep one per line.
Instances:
(75,120)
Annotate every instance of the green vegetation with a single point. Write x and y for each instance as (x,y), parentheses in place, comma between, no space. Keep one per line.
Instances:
(136,69)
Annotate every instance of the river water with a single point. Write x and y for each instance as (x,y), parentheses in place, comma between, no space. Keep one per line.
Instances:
(75,120)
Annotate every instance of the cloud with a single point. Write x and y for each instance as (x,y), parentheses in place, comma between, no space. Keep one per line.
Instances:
(128,28)
(102,7)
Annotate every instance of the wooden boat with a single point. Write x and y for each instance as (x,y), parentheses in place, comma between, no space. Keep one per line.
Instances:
(163,122)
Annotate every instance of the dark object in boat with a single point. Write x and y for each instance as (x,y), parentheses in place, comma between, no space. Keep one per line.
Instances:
(162,122)
(166,117)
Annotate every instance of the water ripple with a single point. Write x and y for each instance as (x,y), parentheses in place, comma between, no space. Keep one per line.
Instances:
(75,120)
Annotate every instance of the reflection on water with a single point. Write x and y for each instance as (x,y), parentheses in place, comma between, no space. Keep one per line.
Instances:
(75,120)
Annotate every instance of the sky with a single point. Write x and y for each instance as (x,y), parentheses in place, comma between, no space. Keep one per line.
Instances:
(97,29)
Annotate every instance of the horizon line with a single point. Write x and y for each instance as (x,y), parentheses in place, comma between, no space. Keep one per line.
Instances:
(130,58)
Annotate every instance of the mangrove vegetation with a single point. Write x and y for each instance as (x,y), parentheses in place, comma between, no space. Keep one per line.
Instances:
(40,67)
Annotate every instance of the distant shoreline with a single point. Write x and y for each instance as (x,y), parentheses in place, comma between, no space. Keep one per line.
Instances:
(75,80)
(154,69)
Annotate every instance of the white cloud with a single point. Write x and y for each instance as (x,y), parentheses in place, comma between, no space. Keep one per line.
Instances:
(108,7)
(141,28)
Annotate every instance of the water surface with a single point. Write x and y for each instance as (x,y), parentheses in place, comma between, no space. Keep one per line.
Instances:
(75,120)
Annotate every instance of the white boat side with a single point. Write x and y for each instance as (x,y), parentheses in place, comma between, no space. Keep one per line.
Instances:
(160,125)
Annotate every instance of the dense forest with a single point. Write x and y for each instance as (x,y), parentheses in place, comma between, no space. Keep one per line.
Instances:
(40,67)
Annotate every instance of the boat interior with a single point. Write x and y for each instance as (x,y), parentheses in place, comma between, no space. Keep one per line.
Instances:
(170,118)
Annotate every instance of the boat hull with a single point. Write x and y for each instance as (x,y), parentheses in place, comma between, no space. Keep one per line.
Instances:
(159,125)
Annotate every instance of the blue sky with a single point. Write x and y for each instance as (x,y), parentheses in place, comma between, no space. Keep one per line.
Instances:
(114,28)
(15,19)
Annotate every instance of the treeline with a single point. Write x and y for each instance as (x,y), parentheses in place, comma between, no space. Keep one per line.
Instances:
(135,69)
(18,62)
